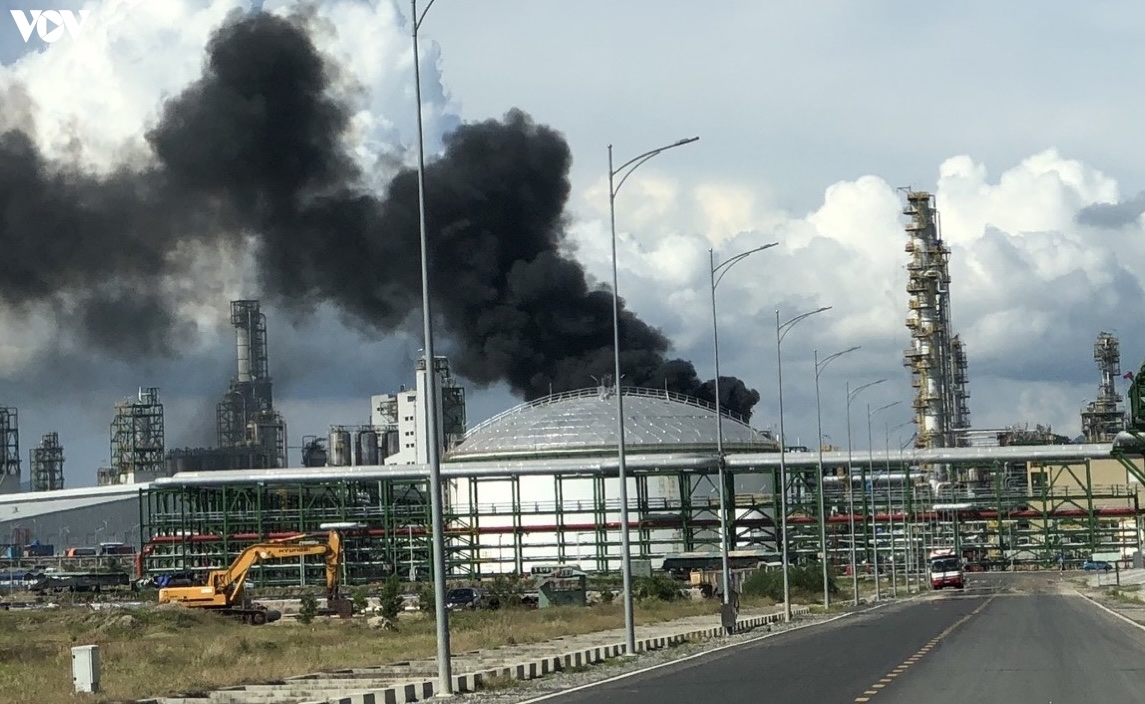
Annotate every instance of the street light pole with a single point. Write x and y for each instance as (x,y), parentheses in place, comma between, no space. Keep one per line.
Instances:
(819,367)
(433,449)
(891,509)
(871,465)
(781,332)
(722,269)
(626,170)
(908,516)
(851,395)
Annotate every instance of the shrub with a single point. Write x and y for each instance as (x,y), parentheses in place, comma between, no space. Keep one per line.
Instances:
(426,599)
(659,586)
(391,597)
(506,590)
(361,599)
(806,581)
(308,609)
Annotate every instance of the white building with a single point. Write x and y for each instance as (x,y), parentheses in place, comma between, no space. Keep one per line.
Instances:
(401,418)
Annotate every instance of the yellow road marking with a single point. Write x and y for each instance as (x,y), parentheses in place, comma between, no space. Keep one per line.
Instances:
(876,688)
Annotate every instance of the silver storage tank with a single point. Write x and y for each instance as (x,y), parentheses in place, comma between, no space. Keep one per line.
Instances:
(339,452)
(392,443)
(367,447)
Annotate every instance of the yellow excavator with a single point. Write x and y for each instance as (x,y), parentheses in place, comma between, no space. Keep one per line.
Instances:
(223,591)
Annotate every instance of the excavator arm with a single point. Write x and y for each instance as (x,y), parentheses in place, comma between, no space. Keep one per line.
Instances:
(232,580)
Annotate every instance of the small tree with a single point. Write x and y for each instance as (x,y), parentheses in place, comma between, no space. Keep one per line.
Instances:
(361,599)
(308,609)
(391,597)
(426,600)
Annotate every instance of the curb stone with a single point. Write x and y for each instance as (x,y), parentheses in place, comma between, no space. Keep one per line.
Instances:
(342,689)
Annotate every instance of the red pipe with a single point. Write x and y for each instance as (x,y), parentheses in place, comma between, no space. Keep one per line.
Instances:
(647,524)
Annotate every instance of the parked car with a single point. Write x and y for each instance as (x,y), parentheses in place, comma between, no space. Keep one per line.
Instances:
(469,598)
(1096,565)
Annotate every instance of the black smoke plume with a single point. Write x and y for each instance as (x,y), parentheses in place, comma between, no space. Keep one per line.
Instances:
(254,149)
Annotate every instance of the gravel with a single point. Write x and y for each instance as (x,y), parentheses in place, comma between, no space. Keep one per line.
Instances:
(514,691)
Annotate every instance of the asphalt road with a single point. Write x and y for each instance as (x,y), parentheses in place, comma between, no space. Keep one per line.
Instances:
(1001,640)
(1037,648)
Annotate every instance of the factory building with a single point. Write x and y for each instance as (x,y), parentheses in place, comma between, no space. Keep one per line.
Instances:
(399,419)
(533,485)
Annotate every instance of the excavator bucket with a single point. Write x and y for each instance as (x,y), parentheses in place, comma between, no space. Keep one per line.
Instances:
(342,608)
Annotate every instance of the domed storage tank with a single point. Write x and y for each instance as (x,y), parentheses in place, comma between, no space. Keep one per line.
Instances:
(338,454)
(366,447)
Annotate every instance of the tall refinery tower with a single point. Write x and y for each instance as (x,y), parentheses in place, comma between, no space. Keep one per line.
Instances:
(1103,418)
(936,356)
(246,417)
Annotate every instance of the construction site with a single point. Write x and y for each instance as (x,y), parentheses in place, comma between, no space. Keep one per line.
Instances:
(537,484)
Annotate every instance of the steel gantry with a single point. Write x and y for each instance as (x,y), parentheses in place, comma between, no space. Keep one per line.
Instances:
(1022,507)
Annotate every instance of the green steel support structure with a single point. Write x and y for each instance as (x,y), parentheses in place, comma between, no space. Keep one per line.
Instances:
(496,525)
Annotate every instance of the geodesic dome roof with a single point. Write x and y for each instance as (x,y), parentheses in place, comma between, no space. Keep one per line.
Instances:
(584,421)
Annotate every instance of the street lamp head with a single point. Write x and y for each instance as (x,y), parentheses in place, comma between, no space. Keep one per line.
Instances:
(726,266)
(635,162)
(821,364)
(781,330)
(880,409)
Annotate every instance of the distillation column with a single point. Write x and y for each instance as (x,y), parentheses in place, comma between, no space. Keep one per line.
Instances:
(246,417)
(936,357)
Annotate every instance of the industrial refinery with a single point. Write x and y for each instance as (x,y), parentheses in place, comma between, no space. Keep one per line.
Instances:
(537,483)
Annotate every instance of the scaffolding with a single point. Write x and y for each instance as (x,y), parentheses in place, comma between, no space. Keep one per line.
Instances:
(1103,418)
(508,523)
(46,464)
(136,440)
(10,437)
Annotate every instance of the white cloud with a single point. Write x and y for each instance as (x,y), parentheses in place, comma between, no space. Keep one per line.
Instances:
(1031,288)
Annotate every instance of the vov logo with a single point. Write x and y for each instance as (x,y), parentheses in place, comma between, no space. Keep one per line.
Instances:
(49,24)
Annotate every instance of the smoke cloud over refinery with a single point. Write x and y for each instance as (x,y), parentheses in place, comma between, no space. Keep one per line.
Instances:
(252,154)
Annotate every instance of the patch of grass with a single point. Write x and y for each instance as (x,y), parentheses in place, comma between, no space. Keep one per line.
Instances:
(1124,597)
(157,651)
(498,682)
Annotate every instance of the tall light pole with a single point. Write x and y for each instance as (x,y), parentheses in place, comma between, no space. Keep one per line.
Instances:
(433,448)
(781,331)
(908,515)
(891,507)
(871,465)
(851,395)
(624,171)
(819,367)
(722,269)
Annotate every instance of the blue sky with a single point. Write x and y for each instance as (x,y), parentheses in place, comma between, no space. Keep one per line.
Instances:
(810,114)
